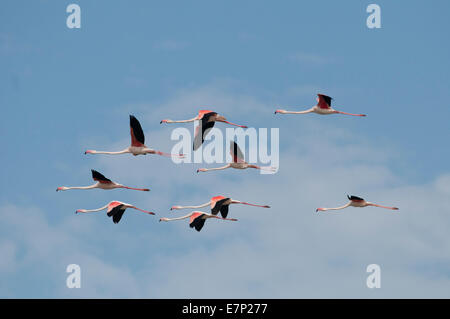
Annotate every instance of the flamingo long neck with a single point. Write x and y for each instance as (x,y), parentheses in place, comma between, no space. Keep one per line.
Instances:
(297,112)
(182,121)
(93,210)
(83,187)
(337,208)
(199,206)
(217,168)
(108,153)
(178,218)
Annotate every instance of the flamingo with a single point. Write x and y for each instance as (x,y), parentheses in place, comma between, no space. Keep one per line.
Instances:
(196,219)
(219,203)
(137,143)
(238,161)
(356,201)
(208,119)
(103,183)
(323,107)
(115,209)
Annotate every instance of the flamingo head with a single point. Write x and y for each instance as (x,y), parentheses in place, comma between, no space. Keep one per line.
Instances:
(201,170)
(163,121)
(62,188)
(80,211)
(320,209)
(175,207)
(163,219)
(89,152)
(279,111)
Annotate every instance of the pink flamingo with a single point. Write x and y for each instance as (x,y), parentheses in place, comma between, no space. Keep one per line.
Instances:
(208,119)
(196,219)
(238,161)
(323,107)
(355,201)
(102,183)
(137,143)
(219,203)
(115,209)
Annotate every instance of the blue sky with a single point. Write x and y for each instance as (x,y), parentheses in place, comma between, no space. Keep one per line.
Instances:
(63,91)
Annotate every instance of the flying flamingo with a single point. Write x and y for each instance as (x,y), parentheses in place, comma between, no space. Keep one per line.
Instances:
(196,219)
(103,183)
(219,203)
(137,143)
(115,209)
(323,107)
(238,161)
(208,119)
(355,201)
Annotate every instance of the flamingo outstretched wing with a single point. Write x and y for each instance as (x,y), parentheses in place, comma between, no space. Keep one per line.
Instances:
(219,204)
(324,101)
(137,135)
(197,221)
(116,212)
(206,125)
(96,176)
(236,153)
(355,198)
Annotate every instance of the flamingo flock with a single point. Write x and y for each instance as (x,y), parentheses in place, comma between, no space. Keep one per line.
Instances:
(218,204)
